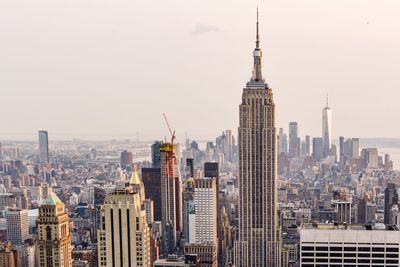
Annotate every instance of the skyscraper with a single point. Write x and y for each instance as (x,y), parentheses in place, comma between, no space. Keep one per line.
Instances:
(326,129)
(168,197)
(228,146)
(294,151)
(391,199)
(155,154)
(259,239)
(308,145)
(189,215)
(53,243)
(124,238)
(43,146)
(205,201)
(17,226)
(126,159)
(282,145)
(151,178)
(317,148)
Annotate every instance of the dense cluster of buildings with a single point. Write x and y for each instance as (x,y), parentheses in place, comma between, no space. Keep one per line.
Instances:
(266,198)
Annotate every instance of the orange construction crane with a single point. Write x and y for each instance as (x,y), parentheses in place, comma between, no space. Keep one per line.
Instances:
(169,128)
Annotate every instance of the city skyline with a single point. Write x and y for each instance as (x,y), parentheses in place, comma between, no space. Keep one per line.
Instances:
(208,177)
(305,61)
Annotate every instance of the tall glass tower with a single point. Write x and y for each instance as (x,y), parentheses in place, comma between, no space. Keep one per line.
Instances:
(43,146)
(259,238)
(326,129)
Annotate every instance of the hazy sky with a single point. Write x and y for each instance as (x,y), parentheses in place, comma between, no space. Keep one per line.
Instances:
(109,69)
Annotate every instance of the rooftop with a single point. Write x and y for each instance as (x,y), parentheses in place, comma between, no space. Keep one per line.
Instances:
(52,199)
(367,227)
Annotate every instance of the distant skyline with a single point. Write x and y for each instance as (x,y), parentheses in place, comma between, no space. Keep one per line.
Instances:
(108,70)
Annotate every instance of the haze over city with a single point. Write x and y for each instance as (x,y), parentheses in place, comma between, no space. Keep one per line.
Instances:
(102,69)
(199,133)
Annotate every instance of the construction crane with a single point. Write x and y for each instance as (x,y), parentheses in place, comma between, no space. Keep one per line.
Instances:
(169,128)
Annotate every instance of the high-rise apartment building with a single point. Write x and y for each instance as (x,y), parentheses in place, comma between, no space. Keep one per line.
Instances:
(294,145)
(17,226)
(43,146)
(53,243)
(123,235)
(326,129)
(259,238)
(168,197)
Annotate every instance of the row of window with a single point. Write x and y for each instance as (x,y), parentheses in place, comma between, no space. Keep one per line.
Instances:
(349,255)
(380,249)
(318,260)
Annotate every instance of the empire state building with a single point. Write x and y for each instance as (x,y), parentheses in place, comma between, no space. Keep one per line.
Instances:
(259,238)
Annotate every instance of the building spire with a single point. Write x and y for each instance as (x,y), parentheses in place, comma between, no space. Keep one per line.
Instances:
(257,33)
(257,54)
(327,100)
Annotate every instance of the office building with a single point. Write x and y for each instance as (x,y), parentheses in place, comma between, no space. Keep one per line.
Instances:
(341,147)
(259,238)
(343,212)
(205,202)
(369,158)
(53,243)
(189,260)
(205,251)
(43,147)
(308,145)
(151,178)
(17,226)
(124,238)
(294,145)
(391,199)
(282,142)
(189,214)
(318,146)
(126,159)
(7,258)
(349,245)
(351,148)
(155,154)
(326,129)
(228,146)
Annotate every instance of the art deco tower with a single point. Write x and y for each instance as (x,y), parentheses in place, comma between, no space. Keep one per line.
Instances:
(53,244)
(124,238)
(259,237)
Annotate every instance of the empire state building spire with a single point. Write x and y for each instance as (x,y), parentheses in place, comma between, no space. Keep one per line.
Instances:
(257,54)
